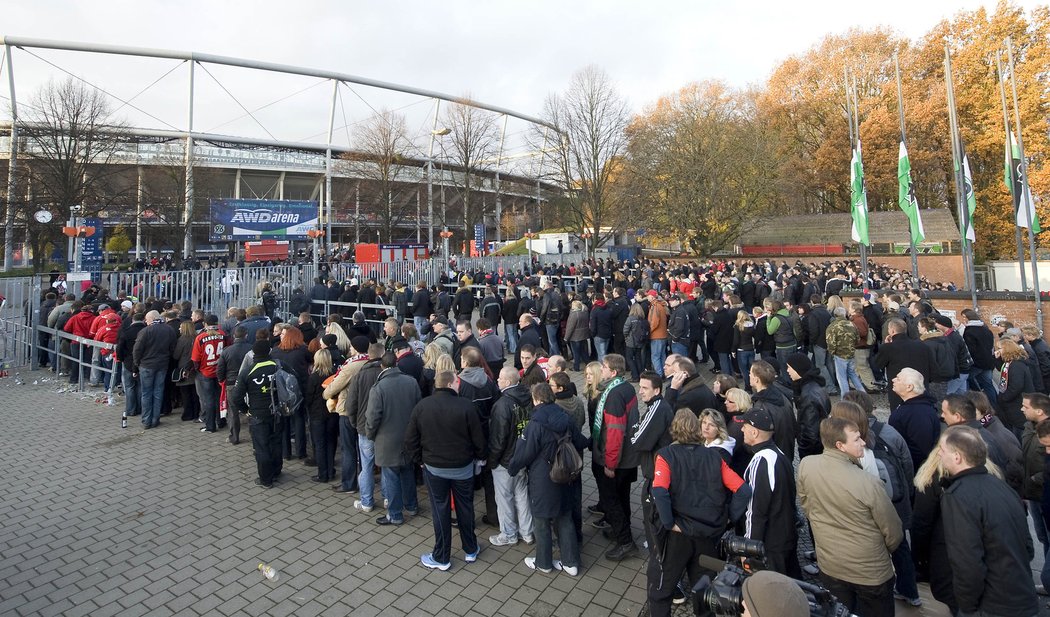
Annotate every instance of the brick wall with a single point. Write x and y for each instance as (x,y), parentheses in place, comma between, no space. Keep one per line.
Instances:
(1016,307)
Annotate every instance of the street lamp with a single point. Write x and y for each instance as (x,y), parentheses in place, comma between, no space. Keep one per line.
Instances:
(78,232)
(586,246)
(529,235)
(314,234)
(445,235)
(436,132)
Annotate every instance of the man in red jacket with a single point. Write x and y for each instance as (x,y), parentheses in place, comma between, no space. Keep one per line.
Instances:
(106,329)
(205,357)
(80,325)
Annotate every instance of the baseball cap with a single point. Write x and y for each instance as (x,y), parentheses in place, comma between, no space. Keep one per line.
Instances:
(759,418)
(439,320)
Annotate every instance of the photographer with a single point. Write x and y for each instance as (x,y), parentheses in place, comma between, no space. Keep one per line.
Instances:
(695,494)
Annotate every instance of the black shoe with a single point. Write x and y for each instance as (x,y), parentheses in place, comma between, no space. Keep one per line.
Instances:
(259,482)
(455,522)
(318,479)
(621,552)
(600,524)
(384,521)
(595,509)
(339,489)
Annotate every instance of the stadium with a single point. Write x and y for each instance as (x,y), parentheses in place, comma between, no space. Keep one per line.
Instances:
(390,163)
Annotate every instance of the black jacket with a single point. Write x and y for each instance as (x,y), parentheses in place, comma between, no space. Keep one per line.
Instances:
(536,448)
(526,336)
(230,361)
(694,394)
(444,431)
(1042,357)
(316,405)
(771,511)
(813,404)
(126,344)
(903,352)
(357,398)
(721,332)
(506,425)
(421,305)
(919,423)
(652,433)
(1019,381)
(981,343)
(153,347)
(778,403)
(989,546)
(601,322)
(961,353)
(817,325)
(463,304)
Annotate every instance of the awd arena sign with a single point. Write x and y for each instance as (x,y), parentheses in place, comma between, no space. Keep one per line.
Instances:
(256,219)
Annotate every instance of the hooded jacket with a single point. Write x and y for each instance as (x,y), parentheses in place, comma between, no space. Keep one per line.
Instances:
(535,450)
(507,424)
(813,405)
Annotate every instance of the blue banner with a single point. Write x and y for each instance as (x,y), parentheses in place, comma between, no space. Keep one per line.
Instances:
(257,219)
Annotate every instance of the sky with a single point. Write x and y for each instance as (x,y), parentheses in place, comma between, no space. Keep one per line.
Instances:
(508,54)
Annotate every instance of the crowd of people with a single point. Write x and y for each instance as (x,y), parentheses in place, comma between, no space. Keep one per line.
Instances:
(464,394)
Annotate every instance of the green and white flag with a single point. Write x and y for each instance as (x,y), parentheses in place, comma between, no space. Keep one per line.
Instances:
(1015,181)
(971,199)
(858,199)
(906,196)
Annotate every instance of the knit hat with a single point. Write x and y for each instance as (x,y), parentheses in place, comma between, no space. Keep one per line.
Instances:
(943,320)
(652,293)
(800,362)
(126,305)
(329,341)
(261,349)
(211,320)
(767,593)
(359,343)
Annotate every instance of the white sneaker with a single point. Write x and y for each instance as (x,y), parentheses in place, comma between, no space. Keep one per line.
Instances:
(386,504)
(570,570)
(502,540)
(362,507)
(528,540)
(530,563)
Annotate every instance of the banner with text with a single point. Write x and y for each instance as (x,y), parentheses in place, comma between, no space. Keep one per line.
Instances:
(256,219)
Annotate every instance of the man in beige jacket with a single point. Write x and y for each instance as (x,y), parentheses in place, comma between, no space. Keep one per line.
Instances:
(855,528)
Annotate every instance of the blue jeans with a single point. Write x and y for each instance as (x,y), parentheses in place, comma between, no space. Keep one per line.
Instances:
(552,339)
(725,363)
(1035,509)
(782,354)
(634,362)
(846,374)
(399,488)
(512,338)
(680,348)
(658,353)
(151,381)
(579,353)
(744,360)
(132,404)
(601,347)
(569,549)
(441,492)
(904,567)
(981,379)
(958,385)
(367,449)
(825,362)
(419,322)
(208,393)
(348,439)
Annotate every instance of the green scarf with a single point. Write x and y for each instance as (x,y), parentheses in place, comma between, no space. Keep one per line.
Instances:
(597,430)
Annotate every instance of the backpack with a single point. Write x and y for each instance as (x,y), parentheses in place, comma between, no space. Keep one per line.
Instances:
(566,464)
(269,300)
(285,396)
(897,486)
(554,311)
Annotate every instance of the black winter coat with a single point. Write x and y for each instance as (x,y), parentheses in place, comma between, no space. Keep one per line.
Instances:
(503,429)
(1019,381)
(535,449)
(989,546)
(778,403)
(601,322)
(981,343)
(1042,356)
(694,394)
(813,405)
(527,336)
(444,431)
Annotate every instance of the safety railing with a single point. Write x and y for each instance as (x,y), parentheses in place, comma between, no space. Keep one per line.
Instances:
(80,358)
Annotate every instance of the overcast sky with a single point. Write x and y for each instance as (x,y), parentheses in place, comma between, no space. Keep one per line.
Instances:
(510,54)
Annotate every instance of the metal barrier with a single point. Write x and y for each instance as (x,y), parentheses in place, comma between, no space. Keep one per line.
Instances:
(83,356)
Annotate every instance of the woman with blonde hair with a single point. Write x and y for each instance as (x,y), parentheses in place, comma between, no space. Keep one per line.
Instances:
(715,434)
(431,353)
(324,426)
(1014,380)
(835,302)
(342,341)
(738,402)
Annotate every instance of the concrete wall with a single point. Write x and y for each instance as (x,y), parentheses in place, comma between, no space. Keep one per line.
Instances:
(1007,275)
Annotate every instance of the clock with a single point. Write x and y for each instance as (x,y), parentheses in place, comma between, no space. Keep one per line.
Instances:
(43,216)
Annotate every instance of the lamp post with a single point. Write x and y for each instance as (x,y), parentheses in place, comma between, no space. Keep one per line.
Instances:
(78,232)
(529,235)
(445,235)
(314,234)
(435,132)
(586,244)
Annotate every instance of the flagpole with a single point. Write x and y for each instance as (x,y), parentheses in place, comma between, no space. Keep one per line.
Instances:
(1026,199)
(851,94)
(1006,124)
(960,181)
(900,114)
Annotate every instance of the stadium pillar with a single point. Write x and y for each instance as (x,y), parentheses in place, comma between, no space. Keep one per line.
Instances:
(328,173)
(12,161)
(187,216)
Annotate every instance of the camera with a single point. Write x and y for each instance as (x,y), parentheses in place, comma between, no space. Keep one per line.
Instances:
(723,595)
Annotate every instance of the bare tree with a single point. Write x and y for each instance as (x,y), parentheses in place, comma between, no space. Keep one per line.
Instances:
(588,153)
(474,140)
(72,151)
(380,146)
